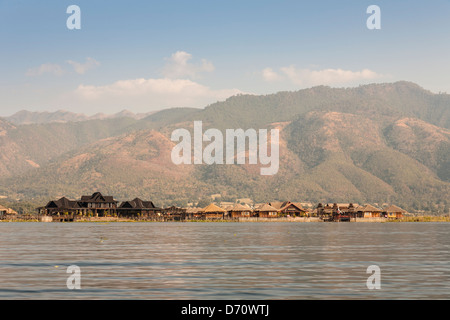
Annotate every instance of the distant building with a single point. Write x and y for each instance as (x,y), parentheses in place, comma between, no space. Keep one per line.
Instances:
(5,212)
(95,205)
(266,211)
(240,211)
(394,212)
(337,211)
(138,208)
(213,212)
(288,208)
(369,211)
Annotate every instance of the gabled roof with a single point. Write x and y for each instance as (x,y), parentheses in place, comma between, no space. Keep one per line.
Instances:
(137,204)
(298,205)
(280,206)
(63,203)
(394,208)
(97,197)
(213,208)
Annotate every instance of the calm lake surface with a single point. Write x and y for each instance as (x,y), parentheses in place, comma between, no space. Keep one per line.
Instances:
(225,260)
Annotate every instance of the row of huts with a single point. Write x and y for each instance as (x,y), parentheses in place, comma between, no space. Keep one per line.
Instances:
(97,205)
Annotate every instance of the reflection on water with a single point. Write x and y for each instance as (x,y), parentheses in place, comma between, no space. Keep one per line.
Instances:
(225,260)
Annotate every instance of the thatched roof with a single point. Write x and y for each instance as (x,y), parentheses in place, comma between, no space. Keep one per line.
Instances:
(298,205)
(369,208)
(266,207)
(239,207)
(213,208)
(7,210)
(280,206)
(395,209)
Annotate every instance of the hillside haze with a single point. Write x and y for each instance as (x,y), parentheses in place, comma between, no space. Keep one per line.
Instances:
(374,143)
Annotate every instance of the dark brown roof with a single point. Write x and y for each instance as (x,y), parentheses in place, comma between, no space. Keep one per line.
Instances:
(63,203)
(137,204)
(97,197)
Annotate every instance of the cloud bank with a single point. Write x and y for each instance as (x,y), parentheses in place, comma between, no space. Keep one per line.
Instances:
(308,77)
(176,88)
(152,93)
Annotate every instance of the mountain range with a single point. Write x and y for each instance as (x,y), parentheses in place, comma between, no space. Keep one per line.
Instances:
(374,143)
(62,116)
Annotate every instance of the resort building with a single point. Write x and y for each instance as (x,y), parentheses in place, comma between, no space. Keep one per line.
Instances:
(394,212)
(368,211)
(138,208)
(6,212)
(96,205)
(240,211)
(336,212)
(213,212)
(288,208)
(266,211)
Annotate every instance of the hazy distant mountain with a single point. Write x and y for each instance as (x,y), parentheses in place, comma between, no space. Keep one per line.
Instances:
(30,117)
(374,143)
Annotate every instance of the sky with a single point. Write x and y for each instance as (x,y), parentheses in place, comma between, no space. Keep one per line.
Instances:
(150,55)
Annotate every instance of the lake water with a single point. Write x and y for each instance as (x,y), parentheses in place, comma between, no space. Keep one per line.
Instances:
(225,260)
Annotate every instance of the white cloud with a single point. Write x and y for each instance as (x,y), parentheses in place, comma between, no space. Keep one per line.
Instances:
(82,68)
(50,68)
(178,66)
(308,77)
(151,93)
(58,70)
(270,75)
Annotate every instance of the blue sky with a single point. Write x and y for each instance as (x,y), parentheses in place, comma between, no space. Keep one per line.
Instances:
(150,55)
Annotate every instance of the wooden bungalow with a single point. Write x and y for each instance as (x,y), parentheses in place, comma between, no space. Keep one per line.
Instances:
(368,211)
(194,213)
(6,213)
(60,207)
(266,211)
(213,212)
(336,212)
(394,212)
(288,208)
(240,211)
(98,204)
(95,205)
(174,213)
(138,208)
(325,212)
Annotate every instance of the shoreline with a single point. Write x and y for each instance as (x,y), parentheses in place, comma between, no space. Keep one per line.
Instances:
(246,220)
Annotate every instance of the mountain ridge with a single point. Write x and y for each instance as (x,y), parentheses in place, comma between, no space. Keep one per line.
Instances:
(373,143)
